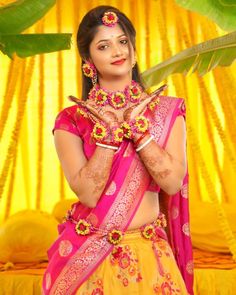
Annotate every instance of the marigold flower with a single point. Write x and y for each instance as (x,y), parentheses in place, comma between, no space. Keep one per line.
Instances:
(135,92)
(141,123)
(99,131)
(88,70)
(115,236)
(148,231)
(118,100)
(82,227)
(118,135)
(127,130)
(101,97)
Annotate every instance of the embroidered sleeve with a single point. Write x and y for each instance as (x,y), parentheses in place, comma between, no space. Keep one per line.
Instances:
(65,120)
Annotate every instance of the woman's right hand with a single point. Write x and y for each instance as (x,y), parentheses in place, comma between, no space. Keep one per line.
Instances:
(98,113)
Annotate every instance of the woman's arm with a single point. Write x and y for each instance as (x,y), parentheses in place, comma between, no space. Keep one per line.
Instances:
(87,178)
(167,166)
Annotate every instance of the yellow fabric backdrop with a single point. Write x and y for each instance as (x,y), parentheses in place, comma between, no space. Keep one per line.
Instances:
(33,90)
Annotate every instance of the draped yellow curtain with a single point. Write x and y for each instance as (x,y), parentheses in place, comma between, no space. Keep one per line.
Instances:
(33,90)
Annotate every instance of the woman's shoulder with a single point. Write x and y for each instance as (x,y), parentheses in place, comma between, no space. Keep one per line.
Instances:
(67,119)
(67,111)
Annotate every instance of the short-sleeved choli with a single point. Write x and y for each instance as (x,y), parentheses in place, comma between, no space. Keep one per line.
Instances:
(66,120)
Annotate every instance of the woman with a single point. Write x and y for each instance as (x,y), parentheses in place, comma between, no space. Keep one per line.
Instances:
(121,151)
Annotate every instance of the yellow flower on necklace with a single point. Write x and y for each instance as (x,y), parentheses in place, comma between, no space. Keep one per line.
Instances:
(101,97)
(118,100)
(135,92)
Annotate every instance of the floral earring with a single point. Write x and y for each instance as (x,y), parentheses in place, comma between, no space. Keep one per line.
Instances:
(90,71)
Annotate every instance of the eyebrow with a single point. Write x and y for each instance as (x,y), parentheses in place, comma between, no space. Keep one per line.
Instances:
(109,39)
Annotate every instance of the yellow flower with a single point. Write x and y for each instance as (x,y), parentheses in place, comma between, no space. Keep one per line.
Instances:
(115,236)
(118,100)
(148,231)
(154,103)
(88,70)
(127,130)
(82,227)
(99,131)
(141,123)
(118,134)
(101,97)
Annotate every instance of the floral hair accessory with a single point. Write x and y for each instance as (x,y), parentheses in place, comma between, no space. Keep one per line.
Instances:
(82,227)
(115,236)
(110,18)
(99,132)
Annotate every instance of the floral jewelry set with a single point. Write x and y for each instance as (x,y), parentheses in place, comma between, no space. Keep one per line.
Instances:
(117,100)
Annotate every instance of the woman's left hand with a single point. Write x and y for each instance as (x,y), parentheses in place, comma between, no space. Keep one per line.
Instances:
(139,108)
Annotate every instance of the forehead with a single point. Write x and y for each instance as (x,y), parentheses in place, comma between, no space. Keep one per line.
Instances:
(105,32)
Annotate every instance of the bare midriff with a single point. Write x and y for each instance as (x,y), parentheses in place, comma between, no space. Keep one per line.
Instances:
(147,211)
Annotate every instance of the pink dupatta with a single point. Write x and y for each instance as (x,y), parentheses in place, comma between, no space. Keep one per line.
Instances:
(73,258)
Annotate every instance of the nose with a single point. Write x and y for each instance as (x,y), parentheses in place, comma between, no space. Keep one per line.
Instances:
(116,52)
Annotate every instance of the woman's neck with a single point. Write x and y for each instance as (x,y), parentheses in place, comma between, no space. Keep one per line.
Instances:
(118,84)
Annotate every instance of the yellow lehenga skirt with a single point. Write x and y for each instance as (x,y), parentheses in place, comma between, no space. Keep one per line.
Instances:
(136,266)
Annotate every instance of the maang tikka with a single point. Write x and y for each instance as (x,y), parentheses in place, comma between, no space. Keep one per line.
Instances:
(90,71)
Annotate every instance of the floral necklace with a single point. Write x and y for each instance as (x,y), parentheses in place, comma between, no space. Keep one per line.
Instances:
(117,99)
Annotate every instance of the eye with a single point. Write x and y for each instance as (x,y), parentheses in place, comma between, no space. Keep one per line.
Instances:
(103,47)
(124,41)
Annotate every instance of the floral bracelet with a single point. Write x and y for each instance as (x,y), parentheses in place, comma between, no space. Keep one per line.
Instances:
(101,133)
(138,125)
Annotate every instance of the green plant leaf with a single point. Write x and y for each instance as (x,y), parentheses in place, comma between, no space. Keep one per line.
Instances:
(20,15)
(30,44)
(202,58)
(223,12)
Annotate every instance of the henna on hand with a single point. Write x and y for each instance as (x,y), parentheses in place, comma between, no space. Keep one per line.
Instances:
(96,172)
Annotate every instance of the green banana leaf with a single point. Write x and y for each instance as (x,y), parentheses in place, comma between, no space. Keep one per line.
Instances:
(202,58)
(30,44)
(223,12)
(20,15)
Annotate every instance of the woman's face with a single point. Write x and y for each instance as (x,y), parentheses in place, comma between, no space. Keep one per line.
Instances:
(110,52)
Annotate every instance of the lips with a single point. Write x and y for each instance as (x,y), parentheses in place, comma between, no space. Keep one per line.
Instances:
(118,62)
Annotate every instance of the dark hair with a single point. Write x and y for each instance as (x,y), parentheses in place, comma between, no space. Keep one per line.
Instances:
(88,29)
